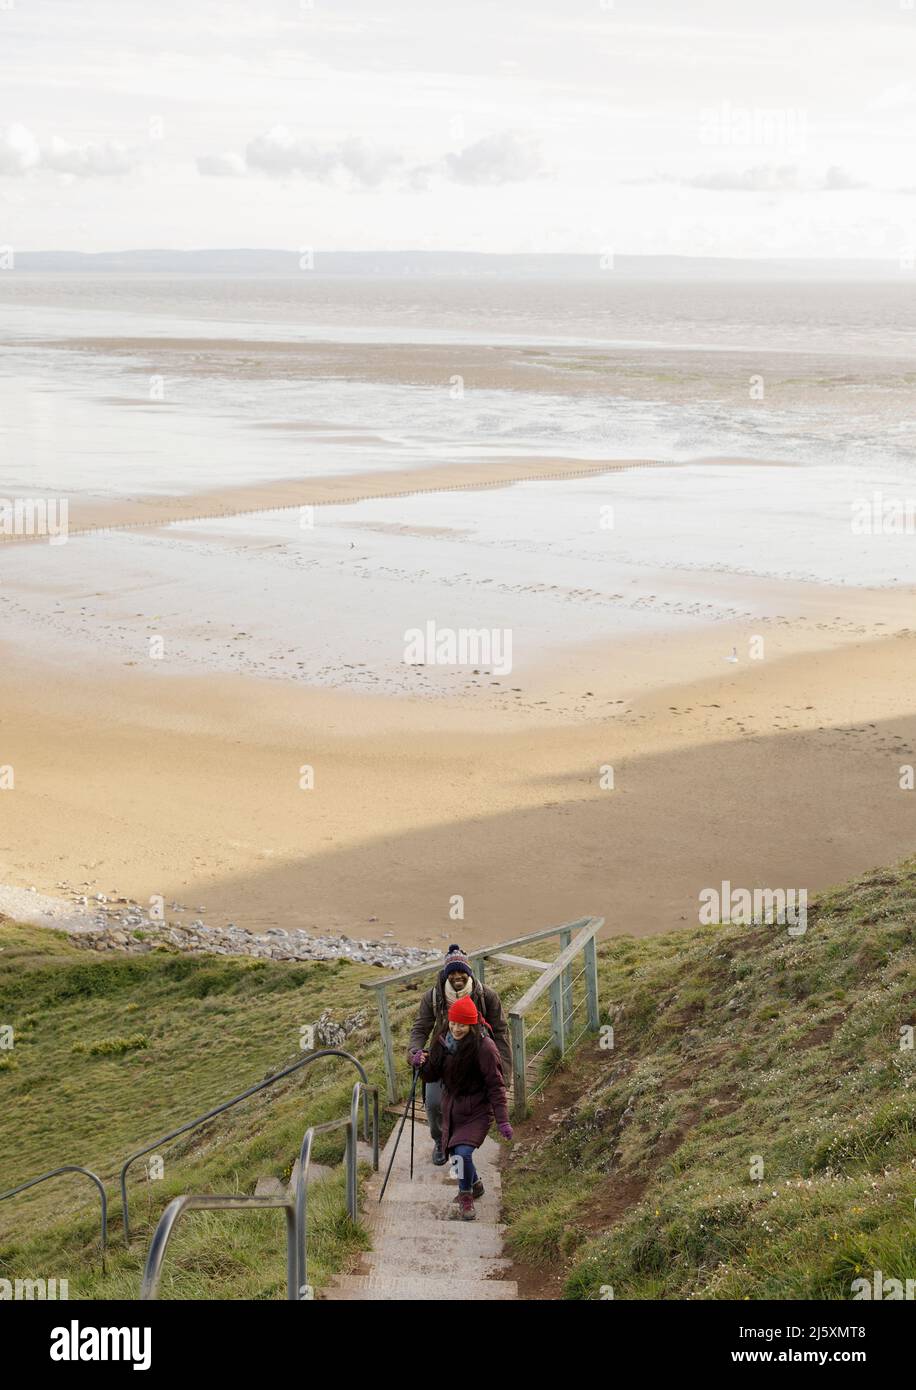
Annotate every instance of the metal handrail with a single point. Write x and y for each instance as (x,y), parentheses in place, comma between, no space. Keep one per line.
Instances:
(359,1089)
(305,1158)
(179,1205)
(227,1105)
(70,1168)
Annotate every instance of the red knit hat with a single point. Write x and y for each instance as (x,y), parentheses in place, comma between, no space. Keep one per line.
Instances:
(464,1011)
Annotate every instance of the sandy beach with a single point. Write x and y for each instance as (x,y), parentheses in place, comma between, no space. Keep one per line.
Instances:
(783,772)
(205,694)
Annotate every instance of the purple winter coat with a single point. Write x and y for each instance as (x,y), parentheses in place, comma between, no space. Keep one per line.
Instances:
(466,1118)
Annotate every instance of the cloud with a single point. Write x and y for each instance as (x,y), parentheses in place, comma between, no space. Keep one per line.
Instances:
(774,178)
(21,153)
(220,166)
(496,159)
(87,161)
(19,150)
(836,179)
(280,153)
(369,166)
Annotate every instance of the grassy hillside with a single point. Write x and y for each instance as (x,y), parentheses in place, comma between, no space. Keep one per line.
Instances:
(734,1046)
(112,1051)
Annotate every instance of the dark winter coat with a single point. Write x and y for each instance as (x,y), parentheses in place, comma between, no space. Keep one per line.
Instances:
(468,1115)
(433,1020)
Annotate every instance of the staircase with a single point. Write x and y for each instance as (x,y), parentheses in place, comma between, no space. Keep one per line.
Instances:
(417,1252)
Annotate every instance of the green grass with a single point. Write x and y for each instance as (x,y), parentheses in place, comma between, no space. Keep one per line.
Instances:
(112,1051)
(733,1047)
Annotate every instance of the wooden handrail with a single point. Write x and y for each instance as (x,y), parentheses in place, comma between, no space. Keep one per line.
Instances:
(550,973)
(556,968)
(482,951)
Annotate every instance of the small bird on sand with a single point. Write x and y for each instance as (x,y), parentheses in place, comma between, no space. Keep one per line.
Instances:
(734,655)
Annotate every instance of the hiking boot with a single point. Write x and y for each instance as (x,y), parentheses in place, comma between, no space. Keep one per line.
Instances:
(463,1208)
(439,1158)
(476,1191)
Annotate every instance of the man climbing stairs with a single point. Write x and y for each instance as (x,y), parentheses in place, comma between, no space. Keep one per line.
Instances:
(417,1252)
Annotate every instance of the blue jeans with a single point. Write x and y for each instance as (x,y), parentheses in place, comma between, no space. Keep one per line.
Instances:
(462,1156)
(433,1096)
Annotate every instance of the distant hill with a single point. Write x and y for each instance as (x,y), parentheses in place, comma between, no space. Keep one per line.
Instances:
(243,261)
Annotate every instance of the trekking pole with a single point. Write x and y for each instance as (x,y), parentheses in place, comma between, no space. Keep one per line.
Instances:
(411,1101)
(413,1127)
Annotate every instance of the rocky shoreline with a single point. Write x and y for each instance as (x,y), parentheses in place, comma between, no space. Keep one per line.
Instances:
(103,924)
(274,944)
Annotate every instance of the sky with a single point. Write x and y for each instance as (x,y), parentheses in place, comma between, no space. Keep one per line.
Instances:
(642,127)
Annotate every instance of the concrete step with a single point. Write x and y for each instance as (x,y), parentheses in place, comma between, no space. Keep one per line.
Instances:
(431,1186)
(415,1212)
(431,1175)
(425,1177)
(419,1253)
(429,1191)
(421,1193)
(429,1225)
(491,1178)
(375,1287)
(486,1242)
(443,1264)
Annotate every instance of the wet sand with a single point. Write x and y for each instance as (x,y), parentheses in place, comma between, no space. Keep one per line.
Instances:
(92,513)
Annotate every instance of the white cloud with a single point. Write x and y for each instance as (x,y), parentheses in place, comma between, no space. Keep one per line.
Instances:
(19,150)
(837,180)
(280,153)
(89,160)
(221,166)
(774,178)
(556,119)
(366,164)
(496,159)
(21,153)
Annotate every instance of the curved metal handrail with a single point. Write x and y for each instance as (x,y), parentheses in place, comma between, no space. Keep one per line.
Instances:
(305,1158)
(360,1088)
(227,1105)
(179,1205)
(71,1168)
